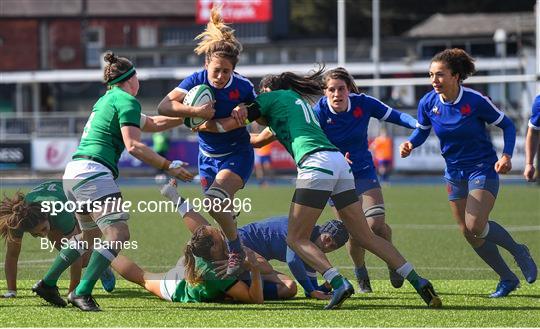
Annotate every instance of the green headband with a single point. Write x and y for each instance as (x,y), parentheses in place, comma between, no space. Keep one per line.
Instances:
(123,77)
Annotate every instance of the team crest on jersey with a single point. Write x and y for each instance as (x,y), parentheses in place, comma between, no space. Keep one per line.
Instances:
(357,113)
(329,121)
(465,110)
(234,95)
(435,110)
(204,182)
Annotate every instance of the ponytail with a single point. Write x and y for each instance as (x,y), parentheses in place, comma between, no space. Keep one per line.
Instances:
(17,214)
(218,40)
(199,246)
(309,87)
(117,69)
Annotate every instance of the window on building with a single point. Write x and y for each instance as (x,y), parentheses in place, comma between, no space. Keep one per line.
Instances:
(429,51)
(95,40)
(147,36)
(483,49)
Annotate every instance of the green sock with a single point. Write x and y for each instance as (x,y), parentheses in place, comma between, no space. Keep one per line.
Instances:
(65,258)
(336,282)
(414,279)
(99,261)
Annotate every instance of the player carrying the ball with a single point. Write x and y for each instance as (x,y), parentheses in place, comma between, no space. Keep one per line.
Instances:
(225,158)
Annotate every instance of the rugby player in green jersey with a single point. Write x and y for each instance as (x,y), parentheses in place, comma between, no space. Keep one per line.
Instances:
(115,124)
(27,213)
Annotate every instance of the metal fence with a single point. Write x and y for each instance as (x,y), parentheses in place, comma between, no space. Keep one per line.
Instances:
(16,126)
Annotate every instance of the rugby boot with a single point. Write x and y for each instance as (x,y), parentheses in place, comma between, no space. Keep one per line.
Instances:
(108,280)
(526,263)
(428,294)
(234,264)
(85,303)
(340,294)
(504,288)
(50,294)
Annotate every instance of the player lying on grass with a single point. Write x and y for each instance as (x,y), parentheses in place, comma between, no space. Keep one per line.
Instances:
(23,213)
(268,239)
(194,278)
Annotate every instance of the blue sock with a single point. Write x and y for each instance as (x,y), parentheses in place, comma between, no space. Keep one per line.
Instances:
(361,273)
(490,254)
(234,245)
(270,290)
(498,235)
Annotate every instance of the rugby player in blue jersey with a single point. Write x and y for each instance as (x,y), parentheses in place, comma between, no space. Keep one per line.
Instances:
(344,115)
(459,116)
(225,159)
(531,141)
(268,239)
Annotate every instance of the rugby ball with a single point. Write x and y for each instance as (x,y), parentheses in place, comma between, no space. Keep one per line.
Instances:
(197,96)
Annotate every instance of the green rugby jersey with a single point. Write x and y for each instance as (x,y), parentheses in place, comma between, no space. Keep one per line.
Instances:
(293,122)
(101,140)
(51,191)
(211,289)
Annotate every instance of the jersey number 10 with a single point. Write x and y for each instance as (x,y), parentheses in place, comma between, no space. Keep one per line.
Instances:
(308,112)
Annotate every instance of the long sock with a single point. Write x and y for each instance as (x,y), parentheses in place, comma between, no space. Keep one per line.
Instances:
(407,271)
(63,260)
(498,235)
(270,290)
(100,259)
(490,254)
(361,273)
(234,245)
(332,275)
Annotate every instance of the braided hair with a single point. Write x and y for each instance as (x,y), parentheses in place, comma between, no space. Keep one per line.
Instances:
(199,246)
(115,67)
(17,214)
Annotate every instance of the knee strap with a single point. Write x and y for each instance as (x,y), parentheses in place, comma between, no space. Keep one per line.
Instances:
(374,211)
(217,193)
(109,219)
(87,226)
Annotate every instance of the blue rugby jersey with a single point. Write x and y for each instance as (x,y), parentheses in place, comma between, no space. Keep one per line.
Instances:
(534,122)
(348,130)
(268,238)
(237,90)
(461,127)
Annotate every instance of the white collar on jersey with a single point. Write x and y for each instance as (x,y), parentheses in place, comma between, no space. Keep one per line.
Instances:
(456,100)
(332,110)
(227,85)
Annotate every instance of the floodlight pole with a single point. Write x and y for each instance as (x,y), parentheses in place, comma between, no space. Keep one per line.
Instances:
(341,32)
(375,50)
(537,14)
(500,38)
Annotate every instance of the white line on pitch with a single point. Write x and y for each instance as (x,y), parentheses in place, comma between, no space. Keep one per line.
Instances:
(455,227)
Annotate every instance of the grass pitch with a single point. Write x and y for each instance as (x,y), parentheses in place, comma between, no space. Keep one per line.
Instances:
(423,231)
